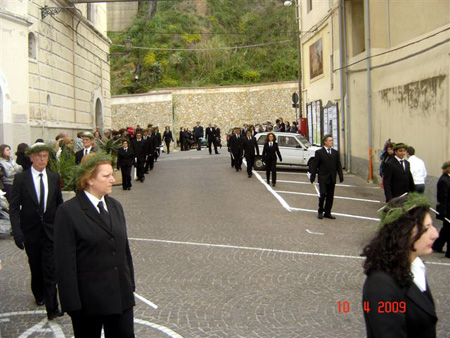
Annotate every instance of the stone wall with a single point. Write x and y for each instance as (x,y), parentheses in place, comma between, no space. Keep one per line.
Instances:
(225,106)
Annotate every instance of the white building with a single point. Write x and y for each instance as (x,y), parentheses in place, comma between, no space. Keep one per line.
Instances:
(54,69)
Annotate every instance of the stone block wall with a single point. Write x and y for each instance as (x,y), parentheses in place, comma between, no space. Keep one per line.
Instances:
(225,106)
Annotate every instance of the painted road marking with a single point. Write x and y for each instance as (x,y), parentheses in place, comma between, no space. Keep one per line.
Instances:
(314,233)
(297,182)
(224,246)
(338,214)
(278,197)
(340,197)
(146,301)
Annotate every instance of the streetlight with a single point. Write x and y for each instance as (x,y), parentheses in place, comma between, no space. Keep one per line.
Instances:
(299,46)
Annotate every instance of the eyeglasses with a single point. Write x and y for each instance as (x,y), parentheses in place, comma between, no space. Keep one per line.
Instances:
(42,157)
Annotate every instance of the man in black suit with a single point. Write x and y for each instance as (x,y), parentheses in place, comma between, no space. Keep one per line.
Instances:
(250,147)
(87,139)
(125,160)
(211,138)
(217,135)
(397,177)
(443,207)
(198,134)
(36,194)
(326,165)
(140,152)
(235,148)
(149,162)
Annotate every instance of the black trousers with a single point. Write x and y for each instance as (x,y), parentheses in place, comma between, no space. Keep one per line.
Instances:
(237,161)
(114,326)
(444,237)
(140,167)
(250,162)
(326,191)
(210,142)
(199,145)
(126,176)
(271,166)
(42,267)
(168,146)
(149,163)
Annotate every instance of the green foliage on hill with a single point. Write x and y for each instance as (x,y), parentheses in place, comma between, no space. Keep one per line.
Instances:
(227,23)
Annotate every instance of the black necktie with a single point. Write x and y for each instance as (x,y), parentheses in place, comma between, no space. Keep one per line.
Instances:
(104,214)
(329,151)
(401,163)
(41,194)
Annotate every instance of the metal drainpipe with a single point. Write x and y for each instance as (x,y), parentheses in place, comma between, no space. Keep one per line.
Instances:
(347,97)
(341,67)
(369,85)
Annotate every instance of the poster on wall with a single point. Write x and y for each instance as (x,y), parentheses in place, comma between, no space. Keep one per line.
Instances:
(331,122)
(315,59)
(317,122)
(310,122)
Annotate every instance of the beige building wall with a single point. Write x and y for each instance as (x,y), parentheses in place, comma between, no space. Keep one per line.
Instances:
(121,15)
(13,72)
(409,69)
(69,76)
(225,106)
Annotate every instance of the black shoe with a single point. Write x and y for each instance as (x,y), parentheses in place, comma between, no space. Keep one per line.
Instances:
(273,185)
(142,179)
(320,216)
(268,182)
(330,216)
(55,314)
(40,302)
(129,188)
(146,172)
(217,153)
(249,176)
(124,188)
(237,170)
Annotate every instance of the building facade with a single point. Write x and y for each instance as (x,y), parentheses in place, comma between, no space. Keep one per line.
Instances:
(383,66)
(54,71)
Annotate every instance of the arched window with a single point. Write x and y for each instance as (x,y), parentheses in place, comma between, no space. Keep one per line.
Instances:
(99,114)
(32,46)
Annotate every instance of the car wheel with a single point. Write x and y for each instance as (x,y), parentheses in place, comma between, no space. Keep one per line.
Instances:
(259,164)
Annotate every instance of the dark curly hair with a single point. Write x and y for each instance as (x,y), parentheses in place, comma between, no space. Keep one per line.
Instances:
(389,250)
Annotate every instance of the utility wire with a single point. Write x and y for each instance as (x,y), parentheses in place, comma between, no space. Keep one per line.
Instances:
(204,49)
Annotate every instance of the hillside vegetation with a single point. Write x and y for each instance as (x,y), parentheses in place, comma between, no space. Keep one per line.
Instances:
(204,33)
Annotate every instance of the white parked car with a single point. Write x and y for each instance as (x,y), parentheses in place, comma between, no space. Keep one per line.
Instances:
(295,149)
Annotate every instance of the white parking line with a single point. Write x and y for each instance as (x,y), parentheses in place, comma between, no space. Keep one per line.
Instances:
(340,197)
(223,246)
(278,197)
(338,214)
(297,182)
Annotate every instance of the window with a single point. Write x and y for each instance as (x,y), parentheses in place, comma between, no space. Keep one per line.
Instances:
(262,140)
(90,12)
(32,48)
(308,6)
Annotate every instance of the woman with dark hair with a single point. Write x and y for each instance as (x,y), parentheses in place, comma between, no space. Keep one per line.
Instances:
(9,168)
(269,157)
(386,155)
(22,158)
(397,301)
(94,266)
(168,137)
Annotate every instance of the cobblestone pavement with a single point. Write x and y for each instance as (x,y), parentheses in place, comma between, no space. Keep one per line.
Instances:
(222,255)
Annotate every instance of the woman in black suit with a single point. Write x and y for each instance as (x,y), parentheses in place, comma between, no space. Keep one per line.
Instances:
(125,161)
(269,156)
(93,260)
(397,300)
(168,137)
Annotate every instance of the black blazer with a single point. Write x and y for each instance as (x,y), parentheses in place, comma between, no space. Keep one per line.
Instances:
(326,166)
(80,153)
(270,153)
(443,197)
(419,320)
(250,147)
(24,207)
(140,148)
(198,131)
(236,145)
(397,180)
(94,267)
(210,134)
(125,158)
(167,136)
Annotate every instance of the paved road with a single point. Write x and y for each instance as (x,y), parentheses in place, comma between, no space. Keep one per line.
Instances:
(222,255)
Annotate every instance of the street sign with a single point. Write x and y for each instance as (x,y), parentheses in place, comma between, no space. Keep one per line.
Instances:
(295,98)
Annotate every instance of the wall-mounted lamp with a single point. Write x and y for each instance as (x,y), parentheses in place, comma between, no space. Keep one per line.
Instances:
(288,3)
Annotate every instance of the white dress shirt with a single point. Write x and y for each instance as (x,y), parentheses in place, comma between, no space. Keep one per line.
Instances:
(419,274)
(418,170)
(37,184)
(94,200)
(87,150)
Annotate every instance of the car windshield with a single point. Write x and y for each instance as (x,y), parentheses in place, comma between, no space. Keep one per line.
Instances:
(303,140)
